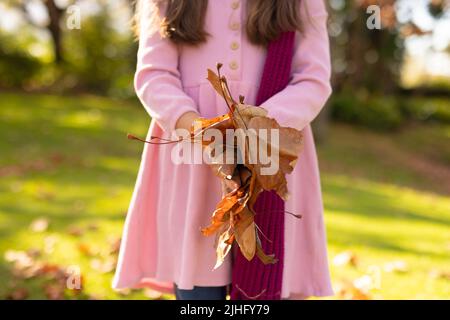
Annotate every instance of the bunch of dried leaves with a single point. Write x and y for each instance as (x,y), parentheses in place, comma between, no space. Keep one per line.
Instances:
(243,181)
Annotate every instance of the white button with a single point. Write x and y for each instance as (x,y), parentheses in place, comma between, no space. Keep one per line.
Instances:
(234,45)
(233,65)
(235,5)
(234,26)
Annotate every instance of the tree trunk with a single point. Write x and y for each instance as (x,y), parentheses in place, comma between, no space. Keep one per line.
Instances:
(54,27)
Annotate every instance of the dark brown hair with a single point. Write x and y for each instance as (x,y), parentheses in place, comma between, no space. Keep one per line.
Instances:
(184,20)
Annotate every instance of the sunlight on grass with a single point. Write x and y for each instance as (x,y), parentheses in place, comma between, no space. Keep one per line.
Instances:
(67,160)
(381,223)
(82,119)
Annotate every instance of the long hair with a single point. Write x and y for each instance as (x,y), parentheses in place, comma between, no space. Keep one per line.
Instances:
(183,21)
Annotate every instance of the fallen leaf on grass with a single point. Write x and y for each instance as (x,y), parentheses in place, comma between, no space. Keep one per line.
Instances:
(103,266)
(34,252)
(439,274)
(345,258)
(54,291)
(17,294)
(364,283)
(114,245)
(75,231)
(49,244)
(92,227)
(23,265)
(85,249)
(347,291)
(396,266)
(39,225)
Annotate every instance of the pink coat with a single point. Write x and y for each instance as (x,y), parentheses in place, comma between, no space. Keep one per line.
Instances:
(161,241)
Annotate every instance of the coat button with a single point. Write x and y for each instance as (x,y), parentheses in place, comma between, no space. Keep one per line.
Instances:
(234,26)
(233,65)
(235,5)
(234,45)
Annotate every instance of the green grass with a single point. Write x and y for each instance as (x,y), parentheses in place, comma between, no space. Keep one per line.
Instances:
(387,196)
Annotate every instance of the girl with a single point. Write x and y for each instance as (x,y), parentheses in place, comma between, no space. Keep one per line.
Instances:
(162,246)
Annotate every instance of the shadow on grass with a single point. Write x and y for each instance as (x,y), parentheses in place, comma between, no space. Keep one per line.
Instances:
(343,237)
(374,203)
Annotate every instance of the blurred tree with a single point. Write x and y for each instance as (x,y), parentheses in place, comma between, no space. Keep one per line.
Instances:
(99,57)
(371,58)
(367,61)
(17,67)
(55,13)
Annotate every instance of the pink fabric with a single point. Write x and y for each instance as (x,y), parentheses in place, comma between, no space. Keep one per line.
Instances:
(252,280)
(161,241)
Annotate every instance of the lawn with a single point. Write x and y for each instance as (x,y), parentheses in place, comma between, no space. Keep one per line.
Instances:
(67,172)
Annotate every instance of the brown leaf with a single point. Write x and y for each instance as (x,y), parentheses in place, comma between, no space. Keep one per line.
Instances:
(288,149)
(348,291)
(54,291)
(23,265)
(265,258)
(18,294)
(92,226)
(244,113)
(246,240)
(85,249)
(440,274)
(219,86)
(201,124)
(75,231)
(223,207)
(223,247)
(114,245)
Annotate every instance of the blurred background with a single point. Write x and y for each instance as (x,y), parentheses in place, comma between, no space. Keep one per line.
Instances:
(67,170)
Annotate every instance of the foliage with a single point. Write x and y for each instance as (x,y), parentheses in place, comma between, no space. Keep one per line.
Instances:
(387,112)
(371,58)
(11,56)
(99,58)
(96,58)
(13,77)
(373,111)
(426,109)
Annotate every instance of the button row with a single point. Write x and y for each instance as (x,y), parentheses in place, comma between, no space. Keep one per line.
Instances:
(235,26)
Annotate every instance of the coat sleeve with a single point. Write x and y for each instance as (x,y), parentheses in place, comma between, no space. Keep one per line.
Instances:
(157,79)
(309,88)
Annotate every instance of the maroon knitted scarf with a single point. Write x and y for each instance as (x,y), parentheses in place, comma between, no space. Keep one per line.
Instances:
(252,280)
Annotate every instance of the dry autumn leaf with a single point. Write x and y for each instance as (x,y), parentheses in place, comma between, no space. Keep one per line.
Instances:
(345,258)
(54,291)
(18,294)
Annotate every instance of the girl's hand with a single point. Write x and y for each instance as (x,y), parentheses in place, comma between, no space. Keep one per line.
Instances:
(186,120)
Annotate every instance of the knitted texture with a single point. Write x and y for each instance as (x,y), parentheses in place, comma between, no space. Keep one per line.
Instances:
(252,280)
